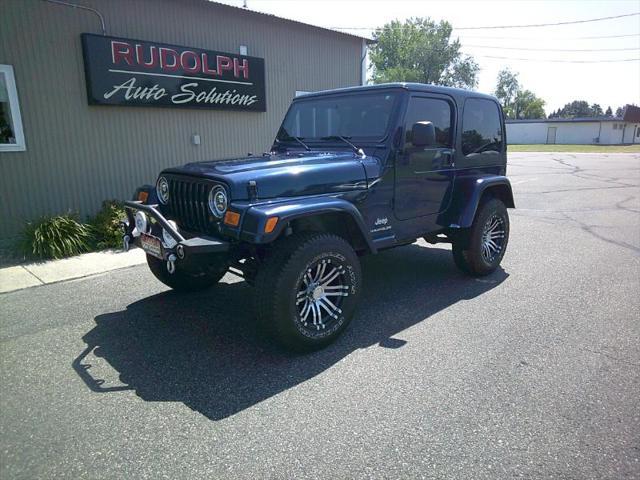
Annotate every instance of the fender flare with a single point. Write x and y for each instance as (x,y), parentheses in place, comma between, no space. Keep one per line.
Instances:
(471,191)
(255,217)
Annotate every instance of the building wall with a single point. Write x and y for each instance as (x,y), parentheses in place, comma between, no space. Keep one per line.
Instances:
(631,133)
(578,133)
(609,136)
(79,155)
(526,133)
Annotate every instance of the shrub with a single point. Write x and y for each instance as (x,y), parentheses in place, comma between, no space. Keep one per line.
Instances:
(106,225)
(56,237)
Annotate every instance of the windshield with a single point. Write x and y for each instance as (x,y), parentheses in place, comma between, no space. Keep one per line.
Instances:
(359,116)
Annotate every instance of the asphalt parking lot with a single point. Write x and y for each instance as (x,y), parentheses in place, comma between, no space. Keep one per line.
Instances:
(532,372)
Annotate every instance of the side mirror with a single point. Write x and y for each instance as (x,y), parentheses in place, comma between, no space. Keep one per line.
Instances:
(423,134)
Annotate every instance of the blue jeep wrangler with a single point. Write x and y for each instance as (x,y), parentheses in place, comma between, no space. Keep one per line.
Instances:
(352,171)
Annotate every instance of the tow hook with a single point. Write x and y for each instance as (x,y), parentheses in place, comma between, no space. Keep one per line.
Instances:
(125,243)
(171,264)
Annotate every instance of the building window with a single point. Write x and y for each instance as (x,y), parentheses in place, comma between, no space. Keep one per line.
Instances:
(615,126)
(11,135)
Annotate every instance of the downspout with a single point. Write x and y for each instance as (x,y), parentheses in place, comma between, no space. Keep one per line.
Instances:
(82,7)
(363,63)
(599,131)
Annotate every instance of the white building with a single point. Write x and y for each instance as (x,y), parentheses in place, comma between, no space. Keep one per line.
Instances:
(577,131)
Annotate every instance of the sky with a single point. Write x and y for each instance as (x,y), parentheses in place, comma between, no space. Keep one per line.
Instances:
(607,83)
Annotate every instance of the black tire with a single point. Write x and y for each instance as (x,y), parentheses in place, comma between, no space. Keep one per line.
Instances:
(470,252)
(292,280)
(185,281)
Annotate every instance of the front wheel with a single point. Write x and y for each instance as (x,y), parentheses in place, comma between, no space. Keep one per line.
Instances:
(479,250)
(186,281)
(307,290)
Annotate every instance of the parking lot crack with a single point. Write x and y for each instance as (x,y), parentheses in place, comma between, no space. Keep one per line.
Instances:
(612,357)
(590,229)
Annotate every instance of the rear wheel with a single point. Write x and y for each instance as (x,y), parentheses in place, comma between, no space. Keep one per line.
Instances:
(479,250)
(307,290)
(184,280)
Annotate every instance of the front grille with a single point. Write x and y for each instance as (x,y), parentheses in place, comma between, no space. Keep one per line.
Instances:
(188,203)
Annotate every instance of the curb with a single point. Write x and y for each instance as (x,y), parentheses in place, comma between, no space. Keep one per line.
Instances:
(30,275)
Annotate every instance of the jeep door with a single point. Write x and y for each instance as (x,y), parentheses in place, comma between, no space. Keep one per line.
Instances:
(424,174)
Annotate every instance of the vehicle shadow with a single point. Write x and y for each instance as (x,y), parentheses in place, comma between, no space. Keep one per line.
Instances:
(205,349)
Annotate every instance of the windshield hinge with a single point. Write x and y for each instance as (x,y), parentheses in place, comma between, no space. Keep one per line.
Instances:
(252,190)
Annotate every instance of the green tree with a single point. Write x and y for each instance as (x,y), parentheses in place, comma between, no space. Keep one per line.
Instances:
(596,110)
(619,112)
(507,90)
(577,108)
(421,50)
(528,105)
(609,112)
(517,103)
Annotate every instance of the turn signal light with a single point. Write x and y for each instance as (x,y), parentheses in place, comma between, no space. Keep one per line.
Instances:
(270,225)
(142,196)
(232,218)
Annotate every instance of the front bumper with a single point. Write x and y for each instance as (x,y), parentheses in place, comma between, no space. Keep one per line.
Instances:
(187,248)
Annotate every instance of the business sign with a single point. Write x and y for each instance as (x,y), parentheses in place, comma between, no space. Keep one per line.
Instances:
(121,71)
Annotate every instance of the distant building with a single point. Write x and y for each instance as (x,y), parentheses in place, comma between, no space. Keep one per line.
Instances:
(577,131)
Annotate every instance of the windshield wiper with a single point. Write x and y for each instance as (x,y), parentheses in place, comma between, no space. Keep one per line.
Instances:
(297,139)
(356,149)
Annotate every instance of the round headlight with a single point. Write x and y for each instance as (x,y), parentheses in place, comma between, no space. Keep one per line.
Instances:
(142,222)
(162,190)
(218,201)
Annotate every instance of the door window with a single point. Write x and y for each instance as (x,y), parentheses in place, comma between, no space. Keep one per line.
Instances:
(481,127)
(433,110)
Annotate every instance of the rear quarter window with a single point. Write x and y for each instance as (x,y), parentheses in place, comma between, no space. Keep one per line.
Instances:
(481,127)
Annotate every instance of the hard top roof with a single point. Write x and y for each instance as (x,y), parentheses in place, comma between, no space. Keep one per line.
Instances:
(457,93)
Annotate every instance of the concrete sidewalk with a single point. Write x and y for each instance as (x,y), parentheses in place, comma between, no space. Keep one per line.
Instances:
(41,273)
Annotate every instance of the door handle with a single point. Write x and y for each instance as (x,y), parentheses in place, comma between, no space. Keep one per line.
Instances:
(449,154)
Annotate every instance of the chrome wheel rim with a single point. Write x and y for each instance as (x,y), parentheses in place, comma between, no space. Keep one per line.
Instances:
(320,295)
(493,236)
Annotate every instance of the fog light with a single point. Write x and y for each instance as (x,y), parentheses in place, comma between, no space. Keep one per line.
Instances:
(142,223)
(167,239)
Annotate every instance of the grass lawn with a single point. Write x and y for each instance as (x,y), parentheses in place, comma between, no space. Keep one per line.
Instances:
(576,148)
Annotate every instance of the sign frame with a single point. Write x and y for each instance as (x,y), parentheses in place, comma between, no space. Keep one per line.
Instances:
(139,73)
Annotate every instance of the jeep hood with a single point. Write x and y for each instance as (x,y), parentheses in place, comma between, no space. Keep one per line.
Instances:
(284,175)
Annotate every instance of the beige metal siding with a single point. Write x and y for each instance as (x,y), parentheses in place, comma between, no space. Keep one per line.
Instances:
(78,155)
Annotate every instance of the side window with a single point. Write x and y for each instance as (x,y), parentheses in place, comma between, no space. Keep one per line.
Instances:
(432,110)
(481,128)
